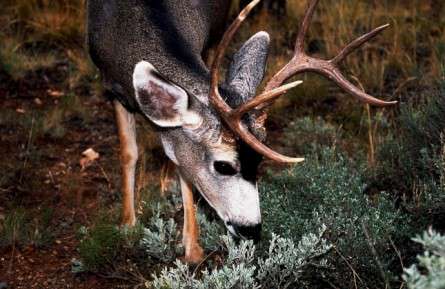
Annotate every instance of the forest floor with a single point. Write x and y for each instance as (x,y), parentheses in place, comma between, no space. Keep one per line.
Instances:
(41,172)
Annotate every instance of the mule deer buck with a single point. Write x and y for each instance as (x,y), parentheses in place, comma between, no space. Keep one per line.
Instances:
(150,55)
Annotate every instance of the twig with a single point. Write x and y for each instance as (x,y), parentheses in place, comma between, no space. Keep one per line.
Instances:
(370,137)
(400,86)
(28,145)
(113,276)
(105,175)
(332,285)
(51,177)
(203,260)
(370,133)
(374,253)
(354,273)
(11,262)
(397,252)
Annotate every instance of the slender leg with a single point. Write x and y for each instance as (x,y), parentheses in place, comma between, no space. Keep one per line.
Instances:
(128,157)
(190,234)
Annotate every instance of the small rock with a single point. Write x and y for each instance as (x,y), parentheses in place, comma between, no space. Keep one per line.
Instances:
(55,93)
(89,156)
(3,285)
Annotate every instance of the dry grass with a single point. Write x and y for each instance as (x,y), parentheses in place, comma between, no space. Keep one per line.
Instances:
(409,54)
(39,33)
(17,62)
(55,22)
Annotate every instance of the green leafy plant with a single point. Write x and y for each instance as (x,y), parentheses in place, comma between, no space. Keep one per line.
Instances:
(306,134)
(106,244)
(20,229)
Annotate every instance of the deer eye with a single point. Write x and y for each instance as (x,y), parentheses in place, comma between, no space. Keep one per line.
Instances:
(225,168)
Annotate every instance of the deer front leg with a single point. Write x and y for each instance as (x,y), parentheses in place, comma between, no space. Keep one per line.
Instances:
(190,233)
(128,157)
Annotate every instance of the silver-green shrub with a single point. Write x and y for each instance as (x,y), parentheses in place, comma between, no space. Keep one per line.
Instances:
(286,261)
(160,239)
(306,135)
(245,267)
(210,232)
(328,188)
(429,273)
(237,272)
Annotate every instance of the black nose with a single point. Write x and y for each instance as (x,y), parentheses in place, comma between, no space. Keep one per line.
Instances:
(249,232)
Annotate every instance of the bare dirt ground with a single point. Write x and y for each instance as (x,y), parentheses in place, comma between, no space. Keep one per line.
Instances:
(39,171)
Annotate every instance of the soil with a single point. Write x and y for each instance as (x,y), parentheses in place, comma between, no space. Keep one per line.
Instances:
(39,171)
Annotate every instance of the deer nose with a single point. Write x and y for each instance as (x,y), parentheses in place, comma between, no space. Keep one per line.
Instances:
(249,232)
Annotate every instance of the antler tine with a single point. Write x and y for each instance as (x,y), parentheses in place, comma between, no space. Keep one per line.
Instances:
(265,97)
(259,147)
(299,43)
(335,75)
(348,49)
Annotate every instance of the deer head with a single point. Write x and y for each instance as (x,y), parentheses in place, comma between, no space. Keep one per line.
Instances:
(218,145)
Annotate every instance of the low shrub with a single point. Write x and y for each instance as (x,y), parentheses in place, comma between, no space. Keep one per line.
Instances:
(328,189)
(415,156)
(281,266)
(19,228)
(105,245)
(305,135)
(160,240)
(106,248)
(429,273)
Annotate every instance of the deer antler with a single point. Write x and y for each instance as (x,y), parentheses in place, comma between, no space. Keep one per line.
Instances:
(300,62)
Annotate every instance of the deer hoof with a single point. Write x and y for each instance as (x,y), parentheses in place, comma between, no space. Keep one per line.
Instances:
(194,256)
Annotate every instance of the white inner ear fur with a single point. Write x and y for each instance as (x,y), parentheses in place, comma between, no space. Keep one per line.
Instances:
(143,73)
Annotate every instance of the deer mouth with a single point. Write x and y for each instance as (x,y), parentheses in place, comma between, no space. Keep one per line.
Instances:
(252,232)
(231,229)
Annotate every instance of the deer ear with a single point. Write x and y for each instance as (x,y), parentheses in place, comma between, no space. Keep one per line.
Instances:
(162,101)
(248,65)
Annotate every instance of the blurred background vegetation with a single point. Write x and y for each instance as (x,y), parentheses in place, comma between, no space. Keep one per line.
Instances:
(374,177)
